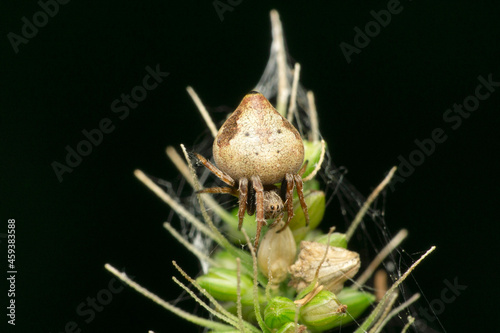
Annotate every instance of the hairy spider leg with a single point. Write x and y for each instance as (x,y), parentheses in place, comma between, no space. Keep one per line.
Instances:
(243,201)
(220,174)
(290,182)
(287,192)
(303,169)
(220,190)
(259,203)
(300,191)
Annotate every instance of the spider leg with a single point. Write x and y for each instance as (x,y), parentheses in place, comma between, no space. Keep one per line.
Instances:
(243,201)
(300,192)
(259,203)
(288,198)
(220,174)
(223,190)
(303,168)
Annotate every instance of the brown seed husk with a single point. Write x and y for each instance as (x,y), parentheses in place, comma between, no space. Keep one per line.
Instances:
(340,265)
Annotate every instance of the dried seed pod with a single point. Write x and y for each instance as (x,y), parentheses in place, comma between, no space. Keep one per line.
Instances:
(340,264)
(279,311)
(323,311)
(276,253)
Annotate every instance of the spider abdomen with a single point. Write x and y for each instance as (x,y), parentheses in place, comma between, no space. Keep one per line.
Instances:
(257,140)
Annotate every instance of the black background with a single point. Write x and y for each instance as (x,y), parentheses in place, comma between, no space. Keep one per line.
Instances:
(394,91)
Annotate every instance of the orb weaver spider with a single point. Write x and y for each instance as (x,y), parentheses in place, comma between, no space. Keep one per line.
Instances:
(255,149)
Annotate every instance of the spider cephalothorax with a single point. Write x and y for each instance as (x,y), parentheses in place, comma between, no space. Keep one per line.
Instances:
(255,149)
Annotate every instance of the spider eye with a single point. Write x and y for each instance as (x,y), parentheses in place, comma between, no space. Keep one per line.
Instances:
(272,207)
